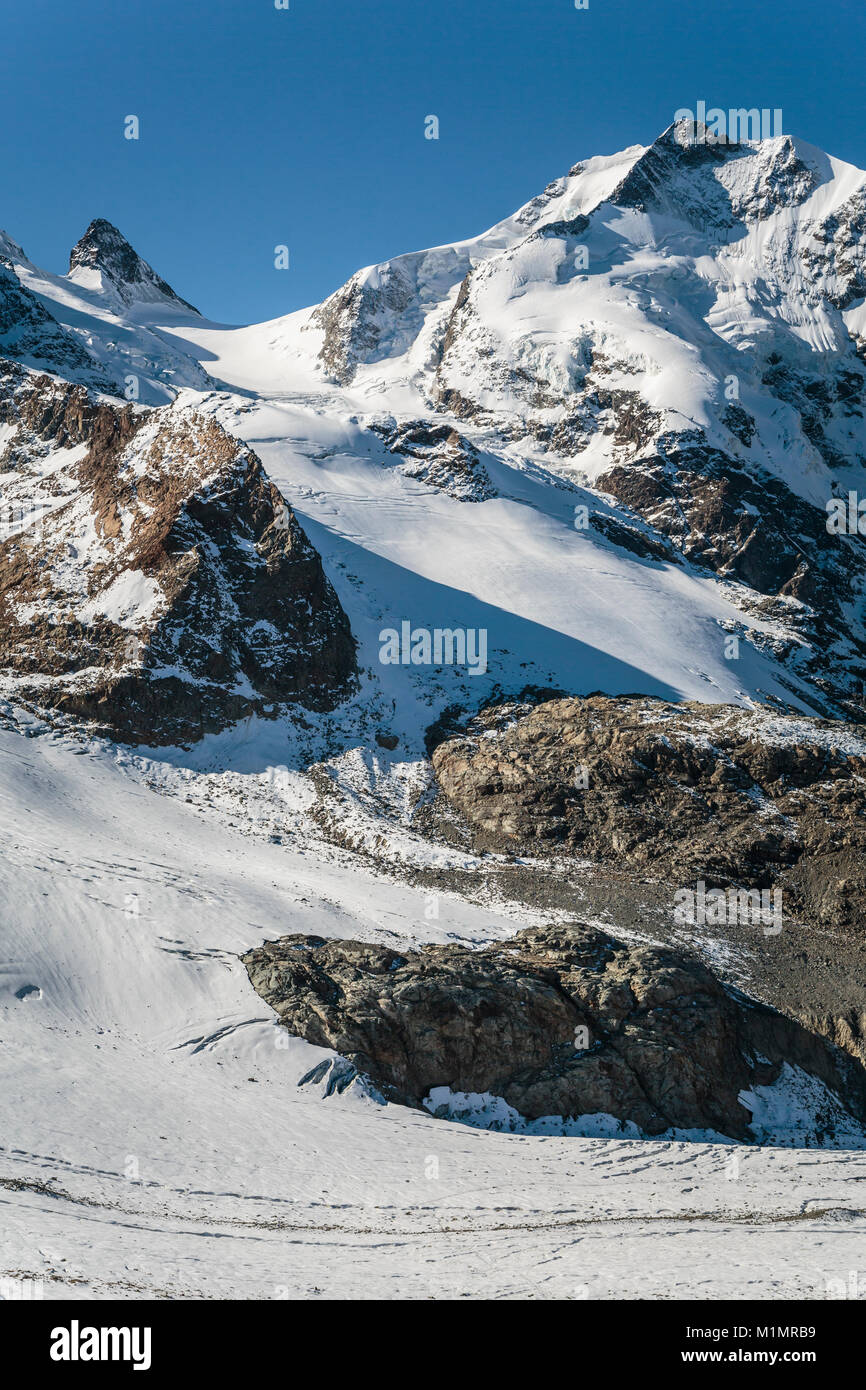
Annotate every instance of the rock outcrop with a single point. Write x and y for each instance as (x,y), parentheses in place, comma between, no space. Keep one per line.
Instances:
(153,581)
(685,792)
(438,455)
(563,1021)
(744,525)
(358,321)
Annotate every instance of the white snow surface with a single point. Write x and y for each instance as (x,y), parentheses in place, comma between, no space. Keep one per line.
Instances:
(155,1142)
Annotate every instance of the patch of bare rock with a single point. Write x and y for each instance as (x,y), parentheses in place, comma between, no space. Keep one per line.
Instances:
(560,1021)
(153,581)
(689,793)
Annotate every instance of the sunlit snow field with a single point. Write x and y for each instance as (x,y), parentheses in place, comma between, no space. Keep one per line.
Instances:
(155,1142)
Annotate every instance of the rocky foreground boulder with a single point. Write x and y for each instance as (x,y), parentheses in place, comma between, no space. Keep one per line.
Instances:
(686,793)
(153,581)
(563,1021)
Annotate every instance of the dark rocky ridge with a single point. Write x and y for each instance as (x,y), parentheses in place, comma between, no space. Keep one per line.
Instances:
(666,1046)
(678,174)
(239,619)
(743,524)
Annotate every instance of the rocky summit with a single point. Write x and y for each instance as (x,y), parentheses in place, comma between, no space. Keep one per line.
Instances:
(564,1021)
(103,259)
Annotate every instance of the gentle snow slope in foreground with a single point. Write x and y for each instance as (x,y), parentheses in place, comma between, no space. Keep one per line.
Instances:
(146,1085)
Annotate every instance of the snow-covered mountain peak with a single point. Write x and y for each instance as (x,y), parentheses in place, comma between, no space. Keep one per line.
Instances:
(720,184)
(578,466)
(676,332)
(98,324)
(103,260)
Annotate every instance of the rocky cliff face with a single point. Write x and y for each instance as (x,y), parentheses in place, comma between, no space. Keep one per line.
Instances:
(746,526)
(437,455)
(358,321)
(152,580)
(563,1022)
(686,792)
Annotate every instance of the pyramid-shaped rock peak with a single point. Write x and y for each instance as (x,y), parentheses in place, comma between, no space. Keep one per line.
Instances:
(106,251)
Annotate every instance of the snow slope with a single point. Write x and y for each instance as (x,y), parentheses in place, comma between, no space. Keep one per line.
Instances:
(562,606)
(155,1142)
(701,270)
(118,331)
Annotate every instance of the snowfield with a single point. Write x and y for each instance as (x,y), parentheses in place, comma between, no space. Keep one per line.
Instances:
(156,1144)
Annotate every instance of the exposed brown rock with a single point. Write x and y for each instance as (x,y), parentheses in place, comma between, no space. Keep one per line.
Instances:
(687,792)
(665,1045)
(229,610)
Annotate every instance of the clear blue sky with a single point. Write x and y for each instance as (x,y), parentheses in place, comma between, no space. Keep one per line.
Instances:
(306,127)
